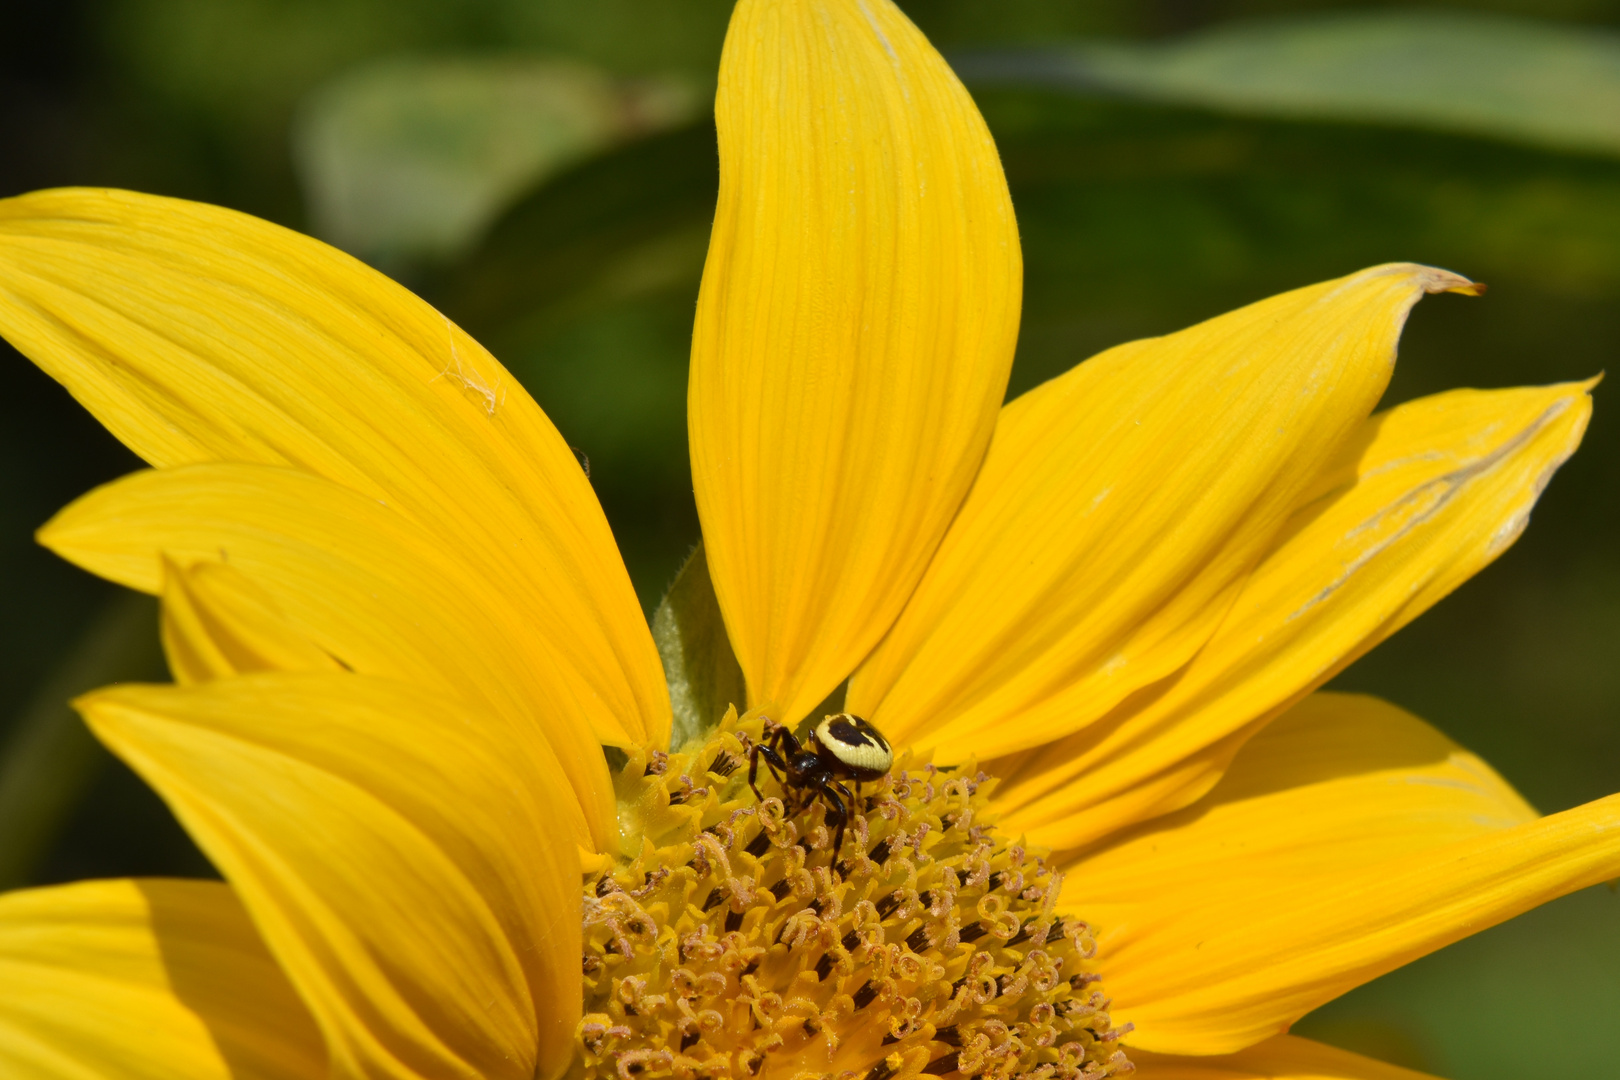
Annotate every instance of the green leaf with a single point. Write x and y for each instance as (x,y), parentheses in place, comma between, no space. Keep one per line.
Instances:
(51,758)
(409,160)
(1137,220)
(1538,82)
(704,678)
(629,223)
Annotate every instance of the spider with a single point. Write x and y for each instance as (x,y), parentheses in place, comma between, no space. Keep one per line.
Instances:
(841,747)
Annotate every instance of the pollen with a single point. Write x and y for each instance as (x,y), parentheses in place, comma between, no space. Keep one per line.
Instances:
(731,942)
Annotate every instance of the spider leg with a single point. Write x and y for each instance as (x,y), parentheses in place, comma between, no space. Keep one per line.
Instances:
(773,762)
(784,748)
(838,808)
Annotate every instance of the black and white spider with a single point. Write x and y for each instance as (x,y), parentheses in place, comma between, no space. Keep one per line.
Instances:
(841,747)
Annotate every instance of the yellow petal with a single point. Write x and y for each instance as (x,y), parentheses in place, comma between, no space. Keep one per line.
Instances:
(1120,508)
(145,980)
(1349,838)
(854,331)
(1428,494)
(200,334)
(362,582)
(403,865)
(1285,1057)
(217,623)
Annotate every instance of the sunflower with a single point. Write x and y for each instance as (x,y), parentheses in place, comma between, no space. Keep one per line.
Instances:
(1121,830)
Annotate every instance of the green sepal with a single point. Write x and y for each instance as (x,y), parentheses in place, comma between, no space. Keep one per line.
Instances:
(703,674)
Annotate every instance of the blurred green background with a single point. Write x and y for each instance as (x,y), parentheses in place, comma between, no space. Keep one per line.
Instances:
(544,171)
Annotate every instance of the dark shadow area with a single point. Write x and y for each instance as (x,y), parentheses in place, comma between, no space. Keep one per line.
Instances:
(218,967)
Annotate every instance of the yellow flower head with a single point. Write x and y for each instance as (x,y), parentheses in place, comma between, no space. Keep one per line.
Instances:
(1120,830)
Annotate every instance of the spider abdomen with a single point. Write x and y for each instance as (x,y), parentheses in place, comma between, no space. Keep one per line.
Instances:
(855,747)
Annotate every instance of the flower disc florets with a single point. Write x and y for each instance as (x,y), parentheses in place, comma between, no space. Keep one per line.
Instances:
(734,945)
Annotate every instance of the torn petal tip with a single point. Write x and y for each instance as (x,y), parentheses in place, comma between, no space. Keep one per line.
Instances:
(1435,280)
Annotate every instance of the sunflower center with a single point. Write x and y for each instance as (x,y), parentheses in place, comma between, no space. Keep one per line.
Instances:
(735,944)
